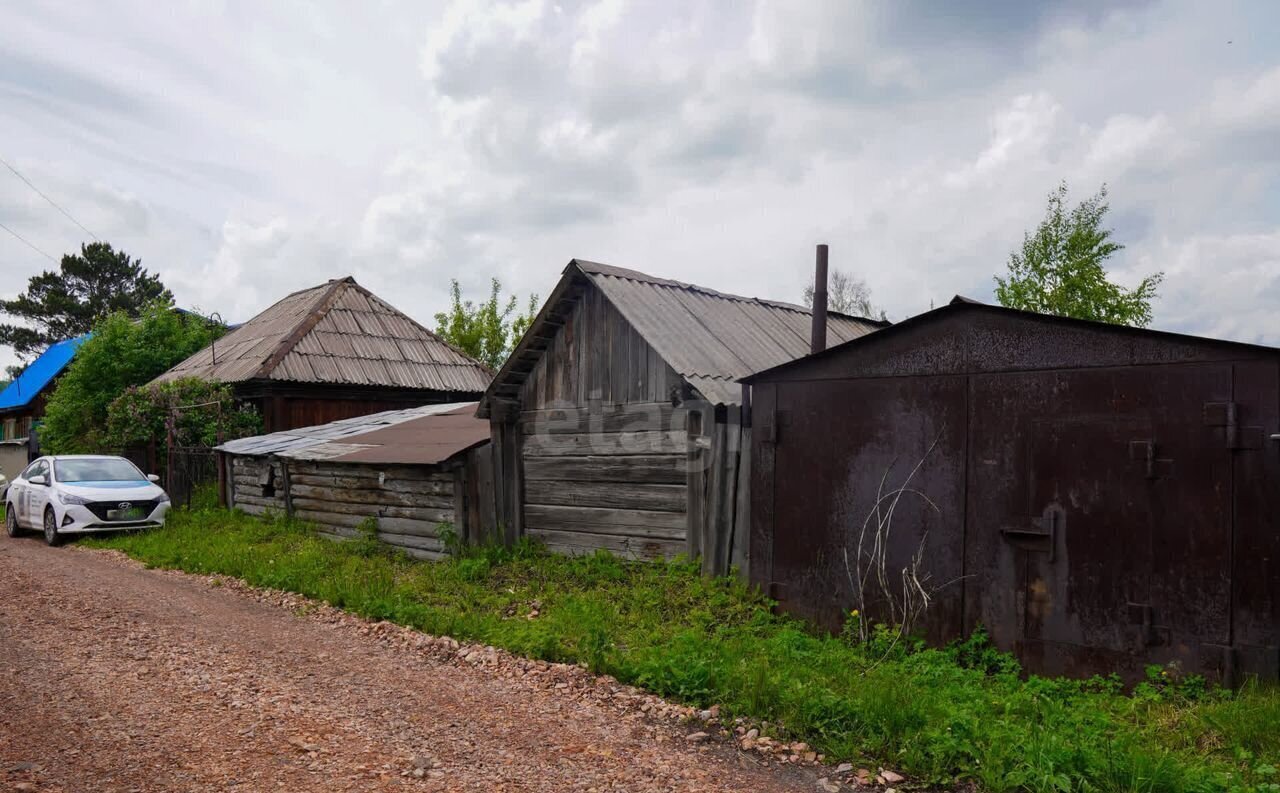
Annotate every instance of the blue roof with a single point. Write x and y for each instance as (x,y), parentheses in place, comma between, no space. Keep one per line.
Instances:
(39,374)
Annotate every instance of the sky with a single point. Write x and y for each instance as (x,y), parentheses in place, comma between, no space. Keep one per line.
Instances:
(243,150)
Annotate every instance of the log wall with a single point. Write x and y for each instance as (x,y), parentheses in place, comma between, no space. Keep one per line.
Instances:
(409,502)
(599,445)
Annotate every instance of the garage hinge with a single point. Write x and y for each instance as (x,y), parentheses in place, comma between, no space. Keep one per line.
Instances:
(1227,416)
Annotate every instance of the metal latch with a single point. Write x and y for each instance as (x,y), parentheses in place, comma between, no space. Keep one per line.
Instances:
(1041,536)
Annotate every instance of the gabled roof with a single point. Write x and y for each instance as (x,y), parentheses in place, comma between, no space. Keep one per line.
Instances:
(340,333)
(39,374)
(1058,342)
(711,339)
(417,436)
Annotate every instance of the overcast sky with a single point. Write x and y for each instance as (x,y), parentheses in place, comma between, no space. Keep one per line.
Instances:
(244,150)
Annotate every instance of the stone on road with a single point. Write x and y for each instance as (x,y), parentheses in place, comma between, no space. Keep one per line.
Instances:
(118,678)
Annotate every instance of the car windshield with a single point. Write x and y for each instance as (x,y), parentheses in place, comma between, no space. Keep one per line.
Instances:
(97,469)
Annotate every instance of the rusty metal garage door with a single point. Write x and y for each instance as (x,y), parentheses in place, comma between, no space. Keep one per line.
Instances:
(1100,517)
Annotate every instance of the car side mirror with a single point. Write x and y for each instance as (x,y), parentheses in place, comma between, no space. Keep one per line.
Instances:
(38,479)
(153,478)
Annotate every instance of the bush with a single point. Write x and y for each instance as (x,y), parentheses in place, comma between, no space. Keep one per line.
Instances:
(141,414)
(122,352)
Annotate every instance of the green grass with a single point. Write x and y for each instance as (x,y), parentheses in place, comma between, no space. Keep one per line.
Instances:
(959,714)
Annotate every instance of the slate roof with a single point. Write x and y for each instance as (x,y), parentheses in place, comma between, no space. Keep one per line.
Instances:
(709,338)
(339,333)
(415,436)
(39,374)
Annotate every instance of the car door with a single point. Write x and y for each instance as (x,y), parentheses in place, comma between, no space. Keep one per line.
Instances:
(36,495)
(18,493)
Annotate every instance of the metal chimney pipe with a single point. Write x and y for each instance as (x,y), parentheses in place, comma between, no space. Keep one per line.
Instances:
(818,339)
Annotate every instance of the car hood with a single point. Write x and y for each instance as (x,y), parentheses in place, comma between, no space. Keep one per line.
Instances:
(139,490)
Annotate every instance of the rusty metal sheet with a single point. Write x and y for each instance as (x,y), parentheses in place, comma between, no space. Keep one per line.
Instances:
(839,448)
(1099,521)
(1255,574)
(424,440)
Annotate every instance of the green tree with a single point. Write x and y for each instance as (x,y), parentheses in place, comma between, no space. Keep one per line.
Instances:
(122,352)
(1060,268)
(487,331)
(847,294)
(68,303)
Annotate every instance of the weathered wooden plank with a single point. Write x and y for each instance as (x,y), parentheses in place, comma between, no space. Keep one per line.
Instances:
(421,528)
(640,468)
(434,514)
(613,443)
(371,496)
(601,520)
(551,515)
(739,553)
(371,483)
(620,495)
(412,541)
(713,527)
(576,543)
(630,417)
(696,485)
(394,472)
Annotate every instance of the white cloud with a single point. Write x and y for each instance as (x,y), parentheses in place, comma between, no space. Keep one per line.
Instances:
(710,142)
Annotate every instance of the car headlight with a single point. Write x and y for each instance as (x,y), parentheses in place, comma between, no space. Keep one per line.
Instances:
(164,497)
(70,500)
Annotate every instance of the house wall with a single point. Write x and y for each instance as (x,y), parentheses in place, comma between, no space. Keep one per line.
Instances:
(602,451)
(286,406)
(410,502)
(13,458)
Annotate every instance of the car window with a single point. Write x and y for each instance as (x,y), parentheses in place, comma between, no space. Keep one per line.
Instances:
(97,469)
(29,471)
(39,468)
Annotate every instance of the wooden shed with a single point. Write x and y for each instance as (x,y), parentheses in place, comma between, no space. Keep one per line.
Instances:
(1098,497)
(335,351)
(617,421)
(411,470)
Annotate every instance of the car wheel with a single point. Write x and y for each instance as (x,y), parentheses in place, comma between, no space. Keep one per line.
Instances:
(51,535)
(11,526)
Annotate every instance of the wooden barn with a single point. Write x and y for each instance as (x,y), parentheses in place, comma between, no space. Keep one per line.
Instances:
(411,470)
(617,421)
(335,351)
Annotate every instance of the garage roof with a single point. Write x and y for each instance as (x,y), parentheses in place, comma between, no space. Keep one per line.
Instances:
(425,435)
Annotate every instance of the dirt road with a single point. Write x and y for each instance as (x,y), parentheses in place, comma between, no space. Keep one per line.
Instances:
(116,678)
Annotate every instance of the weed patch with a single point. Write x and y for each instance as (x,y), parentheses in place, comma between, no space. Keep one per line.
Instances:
(962,713)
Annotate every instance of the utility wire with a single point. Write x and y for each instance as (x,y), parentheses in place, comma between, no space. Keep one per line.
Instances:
(24,241)
(52,203)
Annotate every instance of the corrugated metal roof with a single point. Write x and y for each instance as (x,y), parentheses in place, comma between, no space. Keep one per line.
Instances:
(337,333)
(417,436)
(39,373)
(709,338)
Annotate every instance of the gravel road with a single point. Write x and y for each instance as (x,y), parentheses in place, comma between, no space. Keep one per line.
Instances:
(117,678)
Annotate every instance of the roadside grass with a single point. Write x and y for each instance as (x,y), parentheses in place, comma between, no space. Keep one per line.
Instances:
(963,713)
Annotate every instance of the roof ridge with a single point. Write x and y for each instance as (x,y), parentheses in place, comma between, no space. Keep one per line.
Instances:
(305,326)
(599,268)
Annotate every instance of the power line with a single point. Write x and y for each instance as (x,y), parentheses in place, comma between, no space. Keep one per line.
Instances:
(52,203)
(24,241)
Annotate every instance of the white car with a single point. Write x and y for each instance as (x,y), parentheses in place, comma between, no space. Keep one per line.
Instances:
(74,494)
